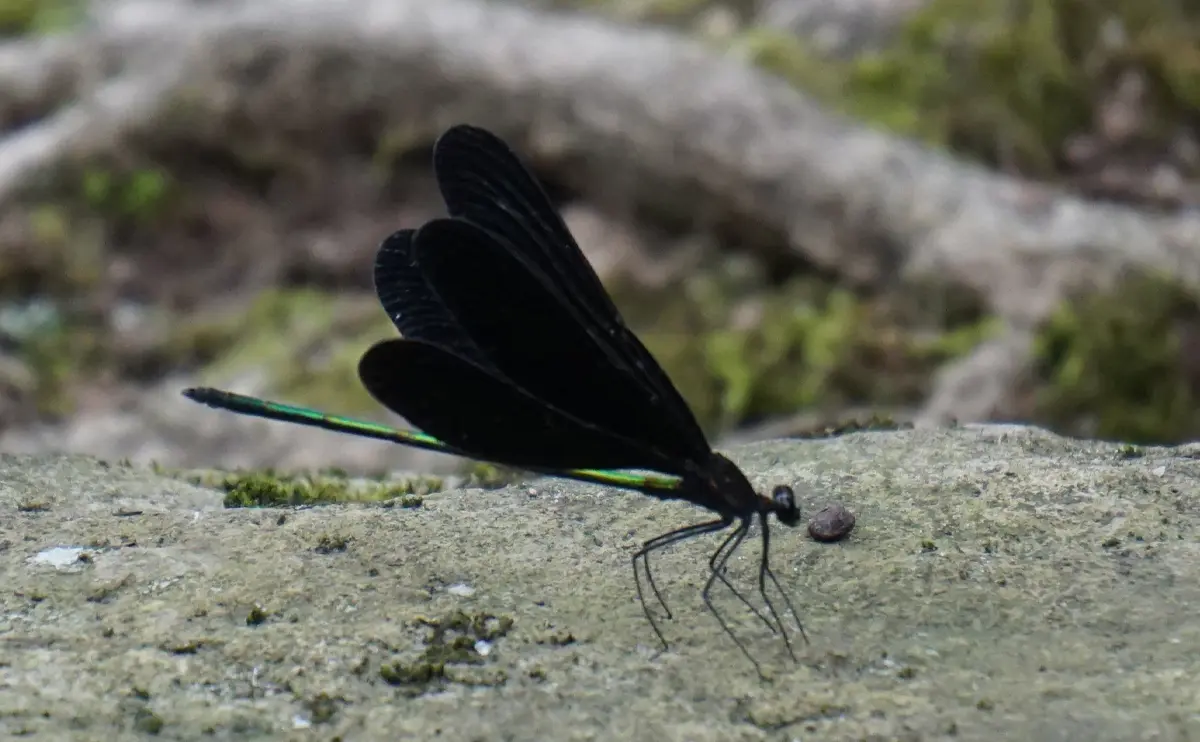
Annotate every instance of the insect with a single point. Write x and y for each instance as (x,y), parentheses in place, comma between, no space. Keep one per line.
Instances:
(512,352)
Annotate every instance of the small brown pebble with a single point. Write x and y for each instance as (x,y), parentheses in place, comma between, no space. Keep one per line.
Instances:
(831,523)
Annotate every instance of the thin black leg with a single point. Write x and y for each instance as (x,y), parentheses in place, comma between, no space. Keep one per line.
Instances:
(716,573)
(764,571)
(659,542)
(720,573)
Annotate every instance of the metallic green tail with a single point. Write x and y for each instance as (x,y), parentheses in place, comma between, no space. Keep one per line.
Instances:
(244,405)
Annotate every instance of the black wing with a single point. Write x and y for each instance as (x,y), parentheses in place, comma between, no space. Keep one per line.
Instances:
(484,182)
(487,417)
(411,303)
(528,335)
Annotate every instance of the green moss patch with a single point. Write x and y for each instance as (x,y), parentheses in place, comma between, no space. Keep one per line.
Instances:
(21,17)
(1006,83)
(1123,364)
(491,476)
(742,350)
(269,489)
(307,342)
(451,647)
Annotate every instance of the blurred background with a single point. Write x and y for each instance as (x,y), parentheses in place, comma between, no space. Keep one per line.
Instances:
(995,219)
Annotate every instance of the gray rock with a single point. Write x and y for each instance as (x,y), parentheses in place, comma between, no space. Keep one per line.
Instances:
(1001,583)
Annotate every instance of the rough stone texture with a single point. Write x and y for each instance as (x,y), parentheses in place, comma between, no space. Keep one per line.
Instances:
(1001,583)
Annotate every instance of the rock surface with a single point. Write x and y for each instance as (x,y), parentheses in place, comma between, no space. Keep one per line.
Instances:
(1001,583)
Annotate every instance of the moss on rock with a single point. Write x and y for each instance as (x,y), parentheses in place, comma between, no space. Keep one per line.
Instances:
(272,489)
(21,17)
(307,342)
(1116,365)
(1004,83)
(741,350)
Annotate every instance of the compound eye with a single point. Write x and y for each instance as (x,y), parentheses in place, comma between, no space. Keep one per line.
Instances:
(783,500)
(784,497)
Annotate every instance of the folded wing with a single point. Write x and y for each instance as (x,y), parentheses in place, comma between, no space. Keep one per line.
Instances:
(530,337)
(483,182)
(411,303)
(487,417)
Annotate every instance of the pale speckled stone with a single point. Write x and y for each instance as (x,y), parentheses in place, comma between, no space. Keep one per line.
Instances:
(1001,583)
